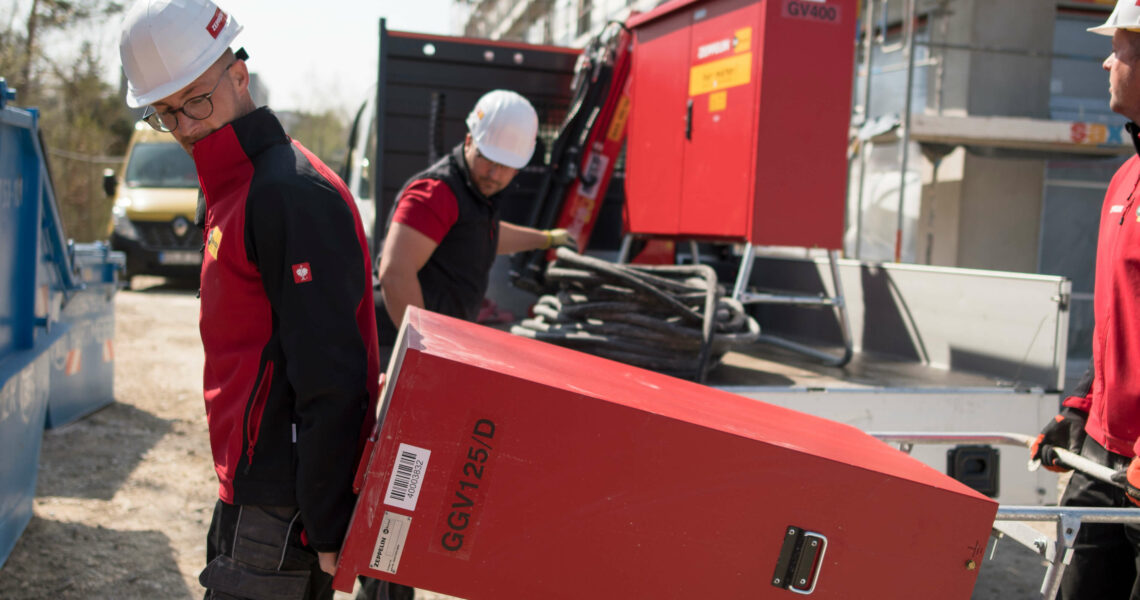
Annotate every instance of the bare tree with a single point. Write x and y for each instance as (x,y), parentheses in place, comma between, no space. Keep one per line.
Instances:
(47,16)
(85,127)
(324,133)
(82,119)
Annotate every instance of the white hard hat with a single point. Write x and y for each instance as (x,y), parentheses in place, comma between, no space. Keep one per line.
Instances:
(1126,15)
(504,126)
(166,44)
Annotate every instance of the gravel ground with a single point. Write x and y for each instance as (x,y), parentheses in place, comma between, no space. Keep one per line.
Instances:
(124,496)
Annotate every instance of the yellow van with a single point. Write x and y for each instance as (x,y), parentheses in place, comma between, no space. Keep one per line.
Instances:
(156,197)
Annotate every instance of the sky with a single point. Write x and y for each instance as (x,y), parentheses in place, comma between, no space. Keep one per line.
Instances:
(311,55)
(316,55)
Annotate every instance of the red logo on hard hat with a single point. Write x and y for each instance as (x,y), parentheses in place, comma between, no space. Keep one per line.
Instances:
(302,273)
(217,24)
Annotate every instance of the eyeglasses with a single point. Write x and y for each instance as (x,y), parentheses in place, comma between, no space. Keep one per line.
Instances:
(197,108)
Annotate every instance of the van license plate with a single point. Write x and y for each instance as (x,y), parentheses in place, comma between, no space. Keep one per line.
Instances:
(184,257)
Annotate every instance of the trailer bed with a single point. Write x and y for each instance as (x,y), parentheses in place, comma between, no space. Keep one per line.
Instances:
(781,370)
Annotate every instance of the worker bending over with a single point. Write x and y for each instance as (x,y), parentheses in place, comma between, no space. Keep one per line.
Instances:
(444,229)
(1101,420)
(287,317)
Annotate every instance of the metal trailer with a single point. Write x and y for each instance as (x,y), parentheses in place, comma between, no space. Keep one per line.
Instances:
(1057,551)
(56,320)
(935,349)
(970,349)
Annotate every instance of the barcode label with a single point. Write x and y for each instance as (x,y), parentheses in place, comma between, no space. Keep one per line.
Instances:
(407,477)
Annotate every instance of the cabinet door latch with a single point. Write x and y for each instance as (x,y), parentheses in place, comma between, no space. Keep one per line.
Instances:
(801,559)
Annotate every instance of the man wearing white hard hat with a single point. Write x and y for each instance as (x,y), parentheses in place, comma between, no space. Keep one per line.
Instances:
(1101,419)
(444,230)
(287,318)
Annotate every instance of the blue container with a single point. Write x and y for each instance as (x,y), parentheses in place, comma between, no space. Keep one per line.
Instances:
(24,388)
(55,305)
(82,366)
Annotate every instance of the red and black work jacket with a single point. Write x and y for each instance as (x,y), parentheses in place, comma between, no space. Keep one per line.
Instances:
(287,325)
(454,279)
(1110,391)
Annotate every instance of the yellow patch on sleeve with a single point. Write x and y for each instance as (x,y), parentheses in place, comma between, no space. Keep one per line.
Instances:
(214,242)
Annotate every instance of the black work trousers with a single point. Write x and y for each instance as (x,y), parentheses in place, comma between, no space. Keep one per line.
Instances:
(255,553)
(1106,556)
(374,589)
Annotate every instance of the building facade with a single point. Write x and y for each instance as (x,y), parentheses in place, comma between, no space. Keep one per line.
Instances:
(552,22)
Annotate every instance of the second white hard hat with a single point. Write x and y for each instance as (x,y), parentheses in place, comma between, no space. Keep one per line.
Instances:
(166,44)
(504,127)
(1126,15)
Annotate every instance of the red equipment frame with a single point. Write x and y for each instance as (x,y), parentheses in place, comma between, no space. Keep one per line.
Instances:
(579,212)
(741,118)
(509,468)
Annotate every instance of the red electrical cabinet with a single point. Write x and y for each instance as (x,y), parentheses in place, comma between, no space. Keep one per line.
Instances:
(740,120)
(510,468)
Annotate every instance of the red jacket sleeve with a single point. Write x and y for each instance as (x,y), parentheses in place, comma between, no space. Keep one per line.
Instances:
(1081,396)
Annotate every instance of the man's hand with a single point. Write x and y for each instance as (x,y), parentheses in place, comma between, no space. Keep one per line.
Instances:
(560,237)
(1066,431)
(1130,479)
(327,561)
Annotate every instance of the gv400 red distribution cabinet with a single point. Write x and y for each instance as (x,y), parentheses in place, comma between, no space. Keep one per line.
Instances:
(509,468)
(739,122)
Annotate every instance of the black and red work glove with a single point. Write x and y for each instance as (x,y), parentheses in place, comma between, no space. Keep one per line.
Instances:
(1130,479)
(1066,431)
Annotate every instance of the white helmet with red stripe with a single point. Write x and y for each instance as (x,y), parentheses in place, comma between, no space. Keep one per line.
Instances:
(1126,15)
(166,44)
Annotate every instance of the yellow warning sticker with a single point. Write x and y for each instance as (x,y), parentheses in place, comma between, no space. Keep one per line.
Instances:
(617,125)
(721,74)
(214,242)
(742,41)
(718,101)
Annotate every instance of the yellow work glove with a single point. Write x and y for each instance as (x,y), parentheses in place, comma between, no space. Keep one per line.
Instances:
(559,237)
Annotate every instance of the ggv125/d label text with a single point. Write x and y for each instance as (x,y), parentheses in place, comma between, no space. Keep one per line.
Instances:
(459,517)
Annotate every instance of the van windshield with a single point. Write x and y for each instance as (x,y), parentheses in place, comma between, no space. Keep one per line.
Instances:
(160,164)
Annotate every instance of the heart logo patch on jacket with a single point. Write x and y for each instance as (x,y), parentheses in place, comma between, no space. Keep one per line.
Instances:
(302,273)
